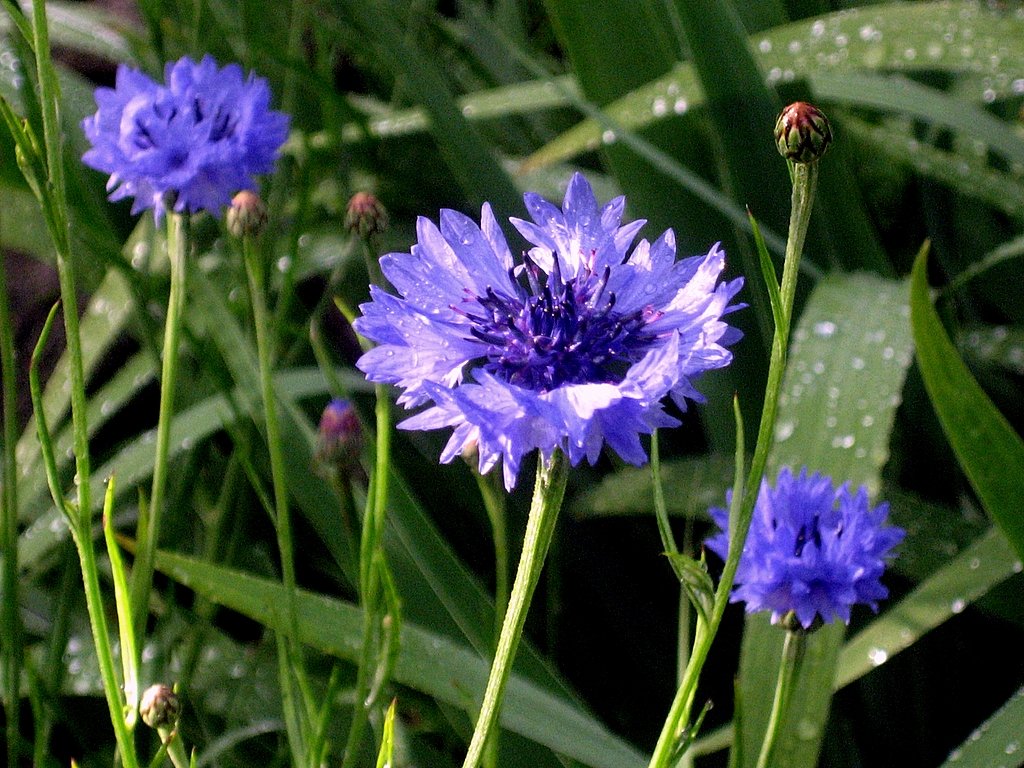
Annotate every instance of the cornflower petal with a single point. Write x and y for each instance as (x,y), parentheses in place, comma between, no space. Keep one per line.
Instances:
(573,348)
(189,144)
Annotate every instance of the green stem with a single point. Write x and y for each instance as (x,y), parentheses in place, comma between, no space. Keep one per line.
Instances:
(494,504)
(804,184)
(792,655)
(11,632)
(540,527)
(295,668)
(149,525)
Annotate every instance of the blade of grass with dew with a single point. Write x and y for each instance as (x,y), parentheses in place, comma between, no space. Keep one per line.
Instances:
(850,353)
(997,741)
(988,561)
(427,661)
(987,447)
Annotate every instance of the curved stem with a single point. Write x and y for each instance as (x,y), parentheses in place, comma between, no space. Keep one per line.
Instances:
(804,184)
(547,501)
(149,525)
(792,654)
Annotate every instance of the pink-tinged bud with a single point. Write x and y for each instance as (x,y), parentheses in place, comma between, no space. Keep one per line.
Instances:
(159,707)
(365,215)
(247,215)
(802,132)
(340,437)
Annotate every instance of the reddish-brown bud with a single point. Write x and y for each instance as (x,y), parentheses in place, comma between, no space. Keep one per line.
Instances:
(802,132)
(365,215)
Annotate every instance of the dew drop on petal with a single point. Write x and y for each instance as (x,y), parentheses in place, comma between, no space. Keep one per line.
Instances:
(958,605)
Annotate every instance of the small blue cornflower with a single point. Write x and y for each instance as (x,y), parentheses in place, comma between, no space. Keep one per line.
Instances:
(572,348)
(813,550)
(189,144)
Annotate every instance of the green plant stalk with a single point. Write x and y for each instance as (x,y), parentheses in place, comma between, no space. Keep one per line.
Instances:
(149,525)
(805,177)
(494,504)
(548,491)
(792,655)
(372,569)
(282,518)
(81,532)
(11,637)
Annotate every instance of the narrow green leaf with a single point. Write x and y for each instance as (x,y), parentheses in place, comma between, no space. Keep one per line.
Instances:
(427,661)
(387,742)
(990,452)
(997,741)
(849,356)
(125,625)
(964,579)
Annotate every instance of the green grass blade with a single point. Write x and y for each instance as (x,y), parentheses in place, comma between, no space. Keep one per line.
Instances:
(427,661)
(122,600)
(997,741)
(984,564)
(850,353)
(990,452)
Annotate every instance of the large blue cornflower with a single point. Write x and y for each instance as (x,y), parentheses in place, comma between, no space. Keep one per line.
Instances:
(812,549)
(189,144)
(573,348)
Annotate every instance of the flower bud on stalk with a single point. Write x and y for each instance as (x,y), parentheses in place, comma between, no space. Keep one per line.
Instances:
(802,132)
(365,215)
(160,707)
(247,215)
(340,439)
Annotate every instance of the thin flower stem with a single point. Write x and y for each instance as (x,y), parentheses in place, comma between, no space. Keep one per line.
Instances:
(548,492)
(149,525)
(805,177)
(10,621)
(494,504)
(294,671)
(792,655)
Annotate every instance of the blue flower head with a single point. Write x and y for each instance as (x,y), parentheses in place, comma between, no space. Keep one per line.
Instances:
(190,143)
(812,549)
(572,348)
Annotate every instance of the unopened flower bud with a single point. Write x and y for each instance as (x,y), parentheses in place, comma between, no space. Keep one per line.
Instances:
(247,214)
(340,438)
(365,215)
(159,707)
(802,132)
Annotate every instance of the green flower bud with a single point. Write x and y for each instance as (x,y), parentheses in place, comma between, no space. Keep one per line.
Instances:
(802,132)
(159,707)
(365,215)
(247,214)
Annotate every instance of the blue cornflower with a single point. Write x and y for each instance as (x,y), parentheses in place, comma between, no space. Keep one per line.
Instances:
(812,549)
(573,348)
(189,144)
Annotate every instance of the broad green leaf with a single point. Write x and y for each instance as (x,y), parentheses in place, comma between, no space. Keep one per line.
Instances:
(997,741)
(848,361)
(428,662)
(955,38)
(990,452)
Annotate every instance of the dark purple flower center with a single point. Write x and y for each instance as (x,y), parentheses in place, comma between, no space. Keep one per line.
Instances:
(558,331)
(808,533)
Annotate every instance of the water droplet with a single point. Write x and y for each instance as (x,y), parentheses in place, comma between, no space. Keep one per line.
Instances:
(765,46)
(106,407)
(1018,567)
(1012,747)
(975,564)
(148,652)
(784,430)
(867,420)
(824,328)
(958,605)
(680,106)
(56,525)
(284,263)
(878,656)
(74,644)
(187,443)
(954,756)
(659,107)
(843,441)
